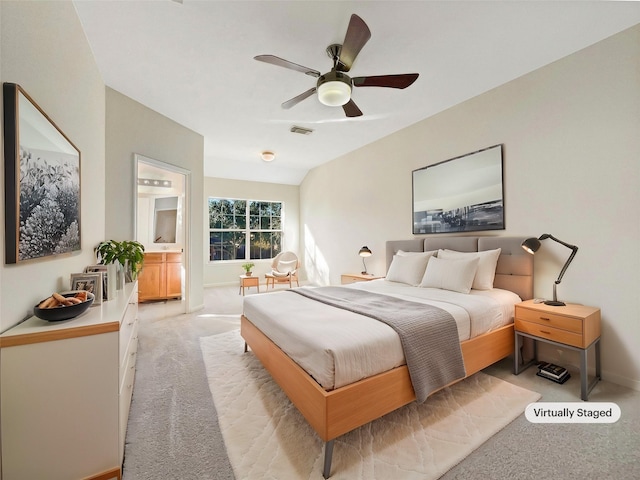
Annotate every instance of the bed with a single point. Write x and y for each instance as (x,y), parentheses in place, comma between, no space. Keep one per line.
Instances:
(335,409)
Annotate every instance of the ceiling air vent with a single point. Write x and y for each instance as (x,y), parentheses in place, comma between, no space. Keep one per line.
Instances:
(301,130)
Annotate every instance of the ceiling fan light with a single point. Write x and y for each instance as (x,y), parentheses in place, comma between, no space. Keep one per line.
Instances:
(334,93)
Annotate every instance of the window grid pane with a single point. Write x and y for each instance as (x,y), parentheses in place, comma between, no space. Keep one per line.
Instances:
(244,229)
(227,245)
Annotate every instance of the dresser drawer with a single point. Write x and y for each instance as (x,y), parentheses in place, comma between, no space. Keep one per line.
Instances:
(550,333)
(128,355)
(127,329)
(126,391)
(347,279)
(550,320)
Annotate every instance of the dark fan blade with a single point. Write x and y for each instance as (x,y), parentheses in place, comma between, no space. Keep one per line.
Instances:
(391,81)
(358,34)
(281,62)
(351,109)
(295,100)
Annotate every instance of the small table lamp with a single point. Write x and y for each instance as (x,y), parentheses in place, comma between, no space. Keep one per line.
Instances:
(532,245)
(364,252)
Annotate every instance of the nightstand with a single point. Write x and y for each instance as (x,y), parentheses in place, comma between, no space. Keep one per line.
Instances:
(576,327)
(347,278)
(247,281)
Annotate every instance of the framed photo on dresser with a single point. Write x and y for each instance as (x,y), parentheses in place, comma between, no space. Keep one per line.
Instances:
(91,282)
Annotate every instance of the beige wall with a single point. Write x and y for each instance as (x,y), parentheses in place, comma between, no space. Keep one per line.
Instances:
(225,273)
(571,168)
(44,50)
(133,128)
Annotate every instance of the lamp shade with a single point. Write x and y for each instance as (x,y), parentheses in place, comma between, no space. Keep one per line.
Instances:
(531,245)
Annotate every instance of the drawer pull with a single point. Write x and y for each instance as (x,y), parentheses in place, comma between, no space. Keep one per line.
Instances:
(545,332)
(545,318)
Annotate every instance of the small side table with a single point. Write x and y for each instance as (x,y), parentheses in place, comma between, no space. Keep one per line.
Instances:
(247,281)
(576,327)
(347,278)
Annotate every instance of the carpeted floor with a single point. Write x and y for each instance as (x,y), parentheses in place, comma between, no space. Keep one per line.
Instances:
(267,438)
(174,433)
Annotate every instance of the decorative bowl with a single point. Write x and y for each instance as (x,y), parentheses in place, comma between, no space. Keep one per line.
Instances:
(62,312)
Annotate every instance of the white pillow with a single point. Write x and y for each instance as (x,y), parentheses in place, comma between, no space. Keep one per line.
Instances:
(486,273)
(408,269)
(455,274)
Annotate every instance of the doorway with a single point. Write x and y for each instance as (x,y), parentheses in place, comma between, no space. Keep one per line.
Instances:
(161,220)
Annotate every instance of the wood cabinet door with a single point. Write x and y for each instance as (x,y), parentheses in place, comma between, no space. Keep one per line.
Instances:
(174,279)
(152,282)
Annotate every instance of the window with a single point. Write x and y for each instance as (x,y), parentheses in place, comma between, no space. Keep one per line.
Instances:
(244,229)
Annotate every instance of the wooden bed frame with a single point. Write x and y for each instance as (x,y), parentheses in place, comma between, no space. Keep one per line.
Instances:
(336,412)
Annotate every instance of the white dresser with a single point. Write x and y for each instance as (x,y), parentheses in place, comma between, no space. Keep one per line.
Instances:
(65,392)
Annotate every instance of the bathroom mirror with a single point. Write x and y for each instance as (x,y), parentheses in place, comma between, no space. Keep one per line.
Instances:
(165,219)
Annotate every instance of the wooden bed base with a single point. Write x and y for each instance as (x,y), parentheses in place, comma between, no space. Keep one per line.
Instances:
(336,412)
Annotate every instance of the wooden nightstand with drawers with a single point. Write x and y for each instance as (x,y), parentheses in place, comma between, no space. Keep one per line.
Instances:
(576,327)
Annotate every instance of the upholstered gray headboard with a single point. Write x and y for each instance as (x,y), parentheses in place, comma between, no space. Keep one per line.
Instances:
(514,271)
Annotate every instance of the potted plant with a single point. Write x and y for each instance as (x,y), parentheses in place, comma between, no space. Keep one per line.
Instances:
(127,253)
(247,267)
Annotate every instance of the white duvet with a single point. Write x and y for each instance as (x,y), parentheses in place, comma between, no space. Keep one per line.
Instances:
(337,347)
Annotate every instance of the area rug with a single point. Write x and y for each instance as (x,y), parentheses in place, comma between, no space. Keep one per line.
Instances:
(267,438)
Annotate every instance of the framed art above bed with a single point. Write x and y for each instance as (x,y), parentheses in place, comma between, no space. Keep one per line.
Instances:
(462,194)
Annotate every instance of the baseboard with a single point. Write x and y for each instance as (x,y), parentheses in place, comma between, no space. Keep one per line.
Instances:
(571,360)
(620,380)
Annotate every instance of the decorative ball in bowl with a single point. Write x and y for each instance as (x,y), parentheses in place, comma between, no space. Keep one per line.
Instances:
(64,306)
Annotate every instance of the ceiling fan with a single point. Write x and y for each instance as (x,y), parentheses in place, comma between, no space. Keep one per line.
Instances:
(334,88)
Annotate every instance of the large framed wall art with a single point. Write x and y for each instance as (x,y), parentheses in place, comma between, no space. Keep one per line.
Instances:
(41,182)
(462,194)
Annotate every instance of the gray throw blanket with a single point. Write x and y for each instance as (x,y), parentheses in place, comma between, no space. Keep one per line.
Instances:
(428,334)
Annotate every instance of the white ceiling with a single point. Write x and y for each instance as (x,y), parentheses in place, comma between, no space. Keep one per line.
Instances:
(193,62)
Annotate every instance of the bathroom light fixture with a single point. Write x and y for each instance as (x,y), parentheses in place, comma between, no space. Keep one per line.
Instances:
(268,156)
(532,245)
(154,182)
(364,252)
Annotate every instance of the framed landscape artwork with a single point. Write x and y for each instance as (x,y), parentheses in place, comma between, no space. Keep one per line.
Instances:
(463,194)
(41,180)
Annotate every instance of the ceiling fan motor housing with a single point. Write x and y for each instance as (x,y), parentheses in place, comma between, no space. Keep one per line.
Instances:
(334,88)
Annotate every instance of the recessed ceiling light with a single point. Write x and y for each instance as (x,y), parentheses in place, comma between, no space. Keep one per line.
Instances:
(268,156)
